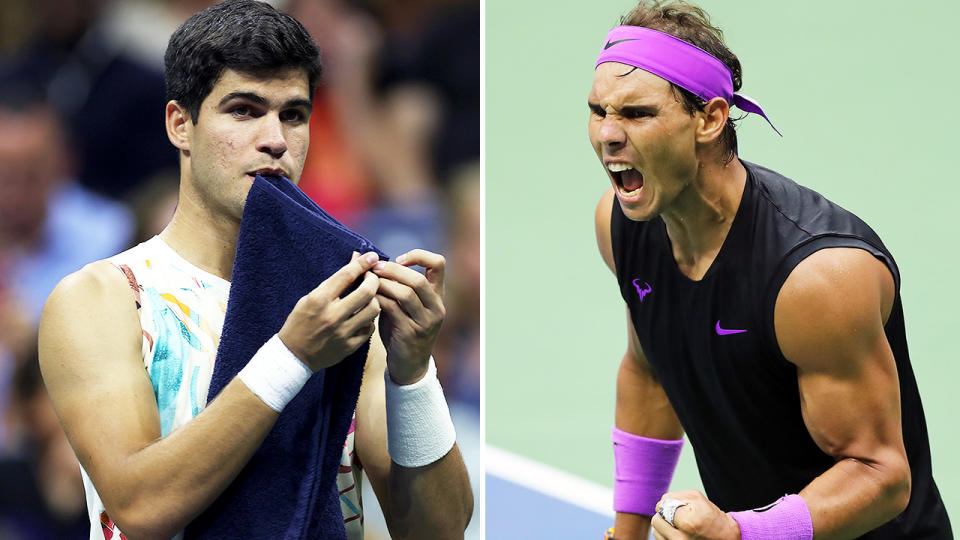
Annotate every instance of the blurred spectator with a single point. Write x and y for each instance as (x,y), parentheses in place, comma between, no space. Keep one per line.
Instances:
(16,25)
(41,492)
(49,225)
(153,204)
(458,358)
(112,102)
(437,43)
(17,338)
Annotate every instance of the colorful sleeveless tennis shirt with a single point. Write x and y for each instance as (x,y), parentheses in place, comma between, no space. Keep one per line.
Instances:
(181,310)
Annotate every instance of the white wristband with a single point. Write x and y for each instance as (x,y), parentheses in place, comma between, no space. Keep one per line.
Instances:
(275,374)
(419,429)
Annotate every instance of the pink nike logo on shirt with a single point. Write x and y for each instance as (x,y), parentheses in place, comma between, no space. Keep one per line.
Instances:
(725,332)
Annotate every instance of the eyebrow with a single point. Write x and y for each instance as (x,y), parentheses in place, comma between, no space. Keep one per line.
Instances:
(260,100)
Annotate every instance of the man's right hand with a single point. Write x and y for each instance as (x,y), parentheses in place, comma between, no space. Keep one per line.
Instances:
(323,328)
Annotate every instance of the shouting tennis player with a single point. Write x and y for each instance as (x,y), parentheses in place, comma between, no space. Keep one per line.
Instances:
(764,321)
(127,345)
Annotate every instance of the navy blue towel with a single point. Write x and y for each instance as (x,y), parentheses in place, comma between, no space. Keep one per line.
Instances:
(287,246)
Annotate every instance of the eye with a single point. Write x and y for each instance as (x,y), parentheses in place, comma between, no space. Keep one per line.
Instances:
(240,111)
(633,114)
(292,115)
(598,111)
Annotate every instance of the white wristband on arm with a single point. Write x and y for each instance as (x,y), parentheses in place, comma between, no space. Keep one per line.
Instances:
(419,429)
(275,374)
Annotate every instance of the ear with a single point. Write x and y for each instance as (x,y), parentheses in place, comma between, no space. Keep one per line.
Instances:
(179,126)
(713,120)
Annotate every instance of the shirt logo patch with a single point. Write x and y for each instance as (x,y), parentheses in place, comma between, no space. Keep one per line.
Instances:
(726,332)
(642,292)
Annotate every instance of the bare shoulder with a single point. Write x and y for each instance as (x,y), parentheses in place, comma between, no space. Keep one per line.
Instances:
(833,303)
(92,308)
(602,224)
(94,279)
(97,288)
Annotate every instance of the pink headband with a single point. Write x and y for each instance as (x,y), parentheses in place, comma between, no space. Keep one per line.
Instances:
(677,61)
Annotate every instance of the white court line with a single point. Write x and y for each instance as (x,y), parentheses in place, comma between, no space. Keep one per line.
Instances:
(549,481)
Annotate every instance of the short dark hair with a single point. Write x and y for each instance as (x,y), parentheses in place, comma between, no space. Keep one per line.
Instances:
(691,24)
(243,35)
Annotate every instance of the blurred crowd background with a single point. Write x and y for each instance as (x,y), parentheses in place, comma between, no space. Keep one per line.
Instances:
(86,171)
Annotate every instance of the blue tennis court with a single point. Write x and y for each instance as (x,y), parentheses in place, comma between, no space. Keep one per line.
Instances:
(526,499)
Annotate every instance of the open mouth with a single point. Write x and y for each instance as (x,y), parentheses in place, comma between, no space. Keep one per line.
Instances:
(629,180)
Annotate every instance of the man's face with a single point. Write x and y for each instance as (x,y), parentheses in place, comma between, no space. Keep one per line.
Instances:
(248,125)
(32,157)
(644,138)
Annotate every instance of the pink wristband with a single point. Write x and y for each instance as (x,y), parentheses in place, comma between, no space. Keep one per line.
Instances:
(643,470)
(786,519)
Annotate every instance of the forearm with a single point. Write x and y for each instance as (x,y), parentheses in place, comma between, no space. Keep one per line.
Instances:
(631,526)
(156,491)
(433,501)
(856,496)
(642,409)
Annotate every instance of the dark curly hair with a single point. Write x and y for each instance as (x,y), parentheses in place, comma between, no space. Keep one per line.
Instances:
(243,35)
(691,24)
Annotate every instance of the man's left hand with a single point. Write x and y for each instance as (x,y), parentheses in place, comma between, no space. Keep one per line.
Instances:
(411,313)
(698,519)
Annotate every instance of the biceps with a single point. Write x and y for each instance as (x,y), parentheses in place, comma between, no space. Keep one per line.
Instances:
(95,376)
(829,323)
(854,411)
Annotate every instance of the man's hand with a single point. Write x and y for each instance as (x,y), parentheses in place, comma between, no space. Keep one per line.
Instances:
(323,328)
(413,311)
(698,519)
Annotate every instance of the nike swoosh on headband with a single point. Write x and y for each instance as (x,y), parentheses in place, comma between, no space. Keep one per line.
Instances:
(612,43)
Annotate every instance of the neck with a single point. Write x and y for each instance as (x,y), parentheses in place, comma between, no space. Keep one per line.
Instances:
(201,235)
(700,219)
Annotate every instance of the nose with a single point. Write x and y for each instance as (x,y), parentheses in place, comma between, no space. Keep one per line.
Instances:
(611,134)
(271,137)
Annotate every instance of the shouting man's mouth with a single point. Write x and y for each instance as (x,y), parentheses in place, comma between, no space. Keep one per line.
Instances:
(629,180)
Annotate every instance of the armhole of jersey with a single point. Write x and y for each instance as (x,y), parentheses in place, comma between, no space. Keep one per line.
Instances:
(801,252)
(616,231)
(147,343)
(131,281)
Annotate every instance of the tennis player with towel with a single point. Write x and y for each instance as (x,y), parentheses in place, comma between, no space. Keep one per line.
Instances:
(238,375)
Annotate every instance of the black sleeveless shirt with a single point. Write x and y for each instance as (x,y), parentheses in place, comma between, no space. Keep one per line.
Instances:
(712,346)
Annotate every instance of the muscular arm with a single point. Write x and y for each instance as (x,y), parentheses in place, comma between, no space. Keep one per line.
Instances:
(434,501)
(642,407)
(829,321)
(90,341)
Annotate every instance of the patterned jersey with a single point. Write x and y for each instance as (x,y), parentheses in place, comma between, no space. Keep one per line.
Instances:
(181,310)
